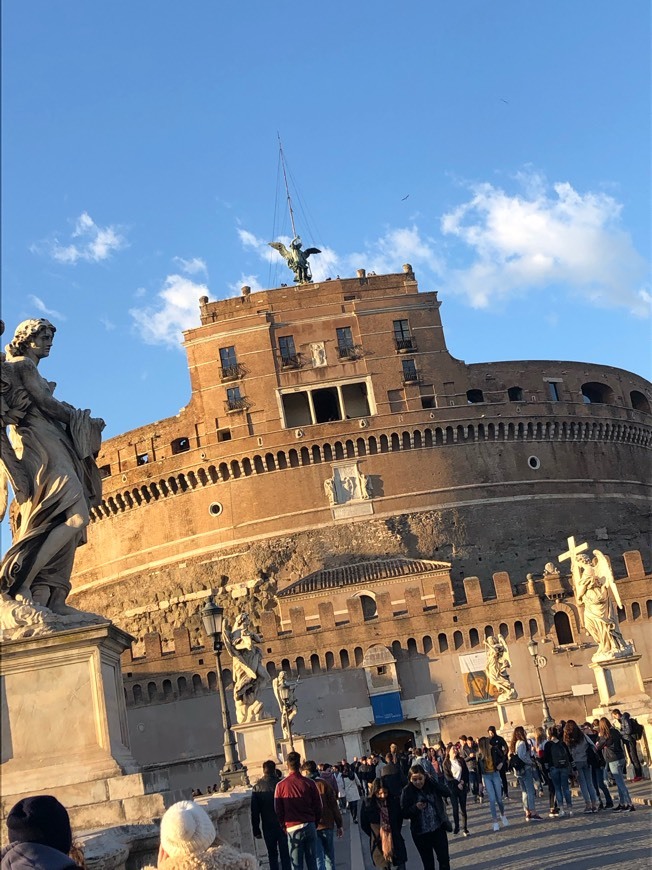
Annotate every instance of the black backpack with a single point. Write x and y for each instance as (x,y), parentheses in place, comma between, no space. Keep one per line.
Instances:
(558,755)
(636,729)
(516,764)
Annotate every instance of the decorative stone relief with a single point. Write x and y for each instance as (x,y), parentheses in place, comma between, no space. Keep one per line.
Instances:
(318,353)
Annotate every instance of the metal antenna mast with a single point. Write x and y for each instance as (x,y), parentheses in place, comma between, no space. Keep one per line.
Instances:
(287,189)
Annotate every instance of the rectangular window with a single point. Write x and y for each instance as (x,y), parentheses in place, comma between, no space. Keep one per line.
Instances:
(228,357)
(402,337)
(553,391)
(409,371)
(235,401)
(223,435)
(287,350)
(344,342)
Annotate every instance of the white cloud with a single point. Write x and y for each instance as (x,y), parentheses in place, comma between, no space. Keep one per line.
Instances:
(40,306)
(109,325)
(92,243)
(177,309)
(195,266)
(545,236)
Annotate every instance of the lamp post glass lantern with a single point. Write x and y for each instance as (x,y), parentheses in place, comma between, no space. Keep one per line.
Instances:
(540,662)
(233,773)
(285,693)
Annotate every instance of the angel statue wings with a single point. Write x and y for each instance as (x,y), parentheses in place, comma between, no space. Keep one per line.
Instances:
(296,259)
(597,594)
(496,668)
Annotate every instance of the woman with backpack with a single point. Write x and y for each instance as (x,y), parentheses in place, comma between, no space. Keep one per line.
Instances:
(491,760)
(610,743)
(558,760)
(522,764)
(579,746)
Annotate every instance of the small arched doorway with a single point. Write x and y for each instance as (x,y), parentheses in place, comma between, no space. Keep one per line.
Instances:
(400,736)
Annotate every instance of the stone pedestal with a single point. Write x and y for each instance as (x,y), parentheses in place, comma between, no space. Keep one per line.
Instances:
(64,728)
(256,744)
(511,714)
(299,746)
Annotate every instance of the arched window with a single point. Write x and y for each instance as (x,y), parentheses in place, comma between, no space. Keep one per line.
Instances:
(518,629)
(503,629)
(271,670)
(397,650)
(246,466)
(301,666)
(427,644)
(227,678)
(138,693)
(474,639)
(563,628)
(344,658)
(473,397)
(197,685)
(515,394)
(533,627)
(182,685)
(595,393)
(636,610)
(442,641)
(369,610)
(358,656)
(328,453)
(330,661)
(411,646)
(648,608)
(211,678)
(285,665)
(458,640)
(152,691)
(258,465)
(315,667)
(488,630)
(373,446)
(316,454)
(167,689)
(294,458)
(622,614)
(269,462)
(639,401)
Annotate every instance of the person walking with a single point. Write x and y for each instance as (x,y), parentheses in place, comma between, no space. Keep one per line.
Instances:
(610,743)
(469,754)
(392,776)
(352,790)
(298,806)
(422,802)
(381,820)
(580,745)
(331,817)
(263,815)
(491,759)
(39,836)
(457,781)
(499,742)
(557,761)
(522,761)
(598,770)
(630,731)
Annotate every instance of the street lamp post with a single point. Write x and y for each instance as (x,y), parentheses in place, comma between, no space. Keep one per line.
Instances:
(540,662)
(234,772)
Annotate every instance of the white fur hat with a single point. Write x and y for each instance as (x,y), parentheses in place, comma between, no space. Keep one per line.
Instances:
(186,829)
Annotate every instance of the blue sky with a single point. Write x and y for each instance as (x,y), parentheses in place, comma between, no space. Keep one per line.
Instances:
(503,148)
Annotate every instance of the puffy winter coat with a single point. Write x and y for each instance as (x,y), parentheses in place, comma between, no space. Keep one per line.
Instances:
(222,857)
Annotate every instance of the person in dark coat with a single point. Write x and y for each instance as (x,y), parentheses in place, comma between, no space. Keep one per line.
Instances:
(39,834)
(263,815)
(380,816)
(392,776)
(457,781)
(422,802)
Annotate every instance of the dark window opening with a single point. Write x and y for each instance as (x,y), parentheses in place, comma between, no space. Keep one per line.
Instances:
(442,640)
(235,401)
(142,458)
(296,409)
(597,394)
(639,401)
(345,346)
(369,610)
(356,402)
(428,402)
(180,445)
(105,470)
(326,404)
(224,435)
(410,375)
(515,394)
(563,628)
(229,363)
(553,391)
(287,351)
(402,338)
(474,397)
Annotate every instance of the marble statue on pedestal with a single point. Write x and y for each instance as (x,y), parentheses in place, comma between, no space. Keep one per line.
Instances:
(48,457)
(597,595)
(289,707)
(249,675)
(496,668)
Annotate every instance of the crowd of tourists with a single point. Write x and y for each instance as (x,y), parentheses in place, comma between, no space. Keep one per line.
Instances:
(300,815)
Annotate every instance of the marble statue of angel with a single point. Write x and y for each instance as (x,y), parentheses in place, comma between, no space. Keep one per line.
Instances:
(249,675)
(296,258)
(289,706)
(498,661)
(597,594)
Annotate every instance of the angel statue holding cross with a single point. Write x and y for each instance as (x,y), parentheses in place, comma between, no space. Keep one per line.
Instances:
(596,592)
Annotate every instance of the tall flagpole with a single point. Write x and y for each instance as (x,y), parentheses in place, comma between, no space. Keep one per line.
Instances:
(287,189)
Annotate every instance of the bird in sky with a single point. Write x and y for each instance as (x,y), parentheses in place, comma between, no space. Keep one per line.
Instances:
(404,198)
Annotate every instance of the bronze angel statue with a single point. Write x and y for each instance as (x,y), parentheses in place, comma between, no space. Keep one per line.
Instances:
(296,259)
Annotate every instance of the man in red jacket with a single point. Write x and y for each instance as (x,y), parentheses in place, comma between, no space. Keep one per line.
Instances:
(298,806)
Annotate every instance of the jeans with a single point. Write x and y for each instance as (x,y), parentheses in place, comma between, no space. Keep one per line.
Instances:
(526,783)
(304,846)
(585,782)
(458,803)
(600,785)
(632,751)
(431,844)
(276,842)
(326,855)
(617,769)
(493,790)
(474,781)
(559,777)
(353,809)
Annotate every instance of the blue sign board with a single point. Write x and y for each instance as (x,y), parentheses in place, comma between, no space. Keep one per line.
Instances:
(387,708)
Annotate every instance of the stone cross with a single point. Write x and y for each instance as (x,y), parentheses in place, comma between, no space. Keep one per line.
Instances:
(573,550)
